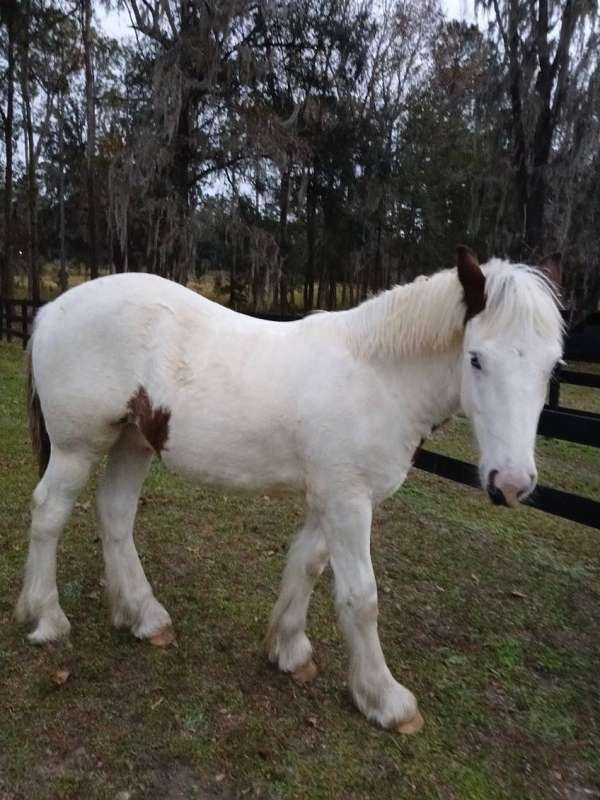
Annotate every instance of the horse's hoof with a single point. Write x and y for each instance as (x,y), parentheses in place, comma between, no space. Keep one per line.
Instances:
(55,628)
(306,673)
(414,725)
(164,638)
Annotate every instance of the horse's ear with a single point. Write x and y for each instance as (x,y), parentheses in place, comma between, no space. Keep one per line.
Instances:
(551,267)
(472,280)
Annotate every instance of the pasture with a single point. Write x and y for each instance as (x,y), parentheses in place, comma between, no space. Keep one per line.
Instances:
(491,616)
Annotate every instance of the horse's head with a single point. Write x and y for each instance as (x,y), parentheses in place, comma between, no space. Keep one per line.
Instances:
(513,340)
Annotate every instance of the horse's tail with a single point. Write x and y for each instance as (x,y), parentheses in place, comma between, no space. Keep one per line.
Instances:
(37,425)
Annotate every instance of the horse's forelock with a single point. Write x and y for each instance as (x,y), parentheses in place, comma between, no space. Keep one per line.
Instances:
(521,298)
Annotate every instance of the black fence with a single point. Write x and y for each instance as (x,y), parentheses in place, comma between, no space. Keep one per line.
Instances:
(557,422)
(16,319)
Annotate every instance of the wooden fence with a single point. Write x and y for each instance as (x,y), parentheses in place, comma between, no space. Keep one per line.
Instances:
(572,425)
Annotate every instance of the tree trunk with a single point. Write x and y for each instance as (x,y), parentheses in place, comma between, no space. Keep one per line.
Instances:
(322,285)
(181,267)
(532,149)
(332,288)
(519,154)
(7,283)
(284,200)
(378,278)
(233,276)
(90,149)
(63,276)
(30,162)
(311,208)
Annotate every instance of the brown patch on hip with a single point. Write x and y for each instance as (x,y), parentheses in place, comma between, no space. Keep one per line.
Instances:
(152,422)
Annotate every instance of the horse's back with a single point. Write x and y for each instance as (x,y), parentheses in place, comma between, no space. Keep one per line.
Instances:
(103,347)
(112,302)
(96,344)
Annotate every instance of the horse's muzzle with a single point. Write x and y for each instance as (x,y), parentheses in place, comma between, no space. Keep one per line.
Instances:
(510,491)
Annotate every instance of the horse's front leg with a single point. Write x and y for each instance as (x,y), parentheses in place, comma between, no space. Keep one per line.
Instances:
(347,527)
(287,643)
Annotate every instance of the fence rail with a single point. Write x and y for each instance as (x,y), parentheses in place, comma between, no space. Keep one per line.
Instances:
(572,425)
(569,506)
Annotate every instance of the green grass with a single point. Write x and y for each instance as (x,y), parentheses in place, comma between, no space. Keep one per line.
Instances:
(491,616)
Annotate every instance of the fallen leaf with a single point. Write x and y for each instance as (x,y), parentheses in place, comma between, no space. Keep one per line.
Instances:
(475,578)
(515,593)
(60,677)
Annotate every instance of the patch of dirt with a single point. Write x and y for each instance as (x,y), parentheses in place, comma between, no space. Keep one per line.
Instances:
(569,783)
(172,779)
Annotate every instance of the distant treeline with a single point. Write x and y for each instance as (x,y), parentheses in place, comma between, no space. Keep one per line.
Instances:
(314,151)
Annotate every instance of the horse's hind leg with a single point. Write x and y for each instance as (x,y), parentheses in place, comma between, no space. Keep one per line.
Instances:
(133,604)
(287,643)
(53,501)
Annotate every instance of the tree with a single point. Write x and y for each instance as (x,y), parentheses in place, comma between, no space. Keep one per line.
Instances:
(310,151)
(539,41)
(8,17)
(90,106)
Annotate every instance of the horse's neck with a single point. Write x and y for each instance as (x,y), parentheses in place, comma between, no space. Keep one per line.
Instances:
(415,332)
(421,318)
(430,387)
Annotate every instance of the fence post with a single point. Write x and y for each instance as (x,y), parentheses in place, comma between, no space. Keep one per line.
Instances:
(1,318)
(554,394)
(24,324)
(9,321)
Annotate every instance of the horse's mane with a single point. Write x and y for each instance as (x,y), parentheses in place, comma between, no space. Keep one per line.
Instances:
(428,314)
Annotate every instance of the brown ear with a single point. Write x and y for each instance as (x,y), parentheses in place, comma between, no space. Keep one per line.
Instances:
(472,280)
(551,267)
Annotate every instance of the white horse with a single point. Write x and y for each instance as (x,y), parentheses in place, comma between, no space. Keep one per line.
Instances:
(332,406)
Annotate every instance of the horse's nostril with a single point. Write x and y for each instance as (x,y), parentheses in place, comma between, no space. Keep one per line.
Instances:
(492,477)
(494,493)
(496,496)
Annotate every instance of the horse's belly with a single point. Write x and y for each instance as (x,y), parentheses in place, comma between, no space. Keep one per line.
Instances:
(242,457)
(241,475)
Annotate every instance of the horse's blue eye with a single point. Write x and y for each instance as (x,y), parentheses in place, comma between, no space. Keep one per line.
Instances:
(475,363)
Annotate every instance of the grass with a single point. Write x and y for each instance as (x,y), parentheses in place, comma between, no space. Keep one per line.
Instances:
(491,616)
